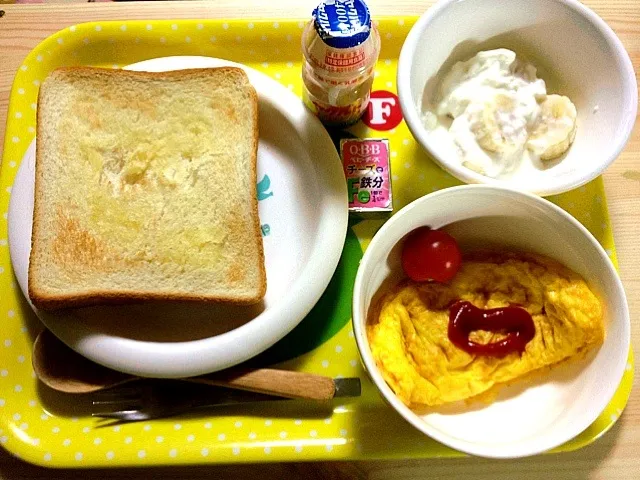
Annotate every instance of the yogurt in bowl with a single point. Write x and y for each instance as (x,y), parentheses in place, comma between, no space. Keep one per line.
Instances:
(493,113)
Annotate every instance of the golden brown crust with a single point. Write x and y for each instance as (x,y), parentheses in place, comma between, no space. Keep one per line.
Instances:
(254,196)
(47,301)
(181,74)
(34,294)
(59,302)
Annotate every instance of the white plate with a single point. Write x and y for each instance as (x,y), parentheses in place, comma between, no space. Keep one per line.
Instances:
(303,208)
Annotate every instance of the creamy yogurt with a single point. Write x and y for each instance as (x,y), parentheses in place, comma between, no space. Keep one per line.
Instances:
(490,112)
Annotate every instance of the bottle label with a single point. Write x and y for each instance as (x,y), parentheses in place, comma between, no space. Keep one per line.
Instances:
(333,115)
(338,59)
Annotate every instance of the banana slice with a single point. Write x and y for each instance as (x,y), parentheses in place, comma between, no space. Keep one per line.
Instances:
(496,126)
(556,129)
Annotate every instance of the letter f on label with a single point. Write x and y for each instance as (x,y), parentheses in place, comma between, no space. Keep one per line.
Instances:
(381,109)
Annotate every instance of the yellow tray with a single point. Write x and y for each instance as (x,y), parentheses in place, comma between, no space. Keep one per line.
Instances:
(45,428)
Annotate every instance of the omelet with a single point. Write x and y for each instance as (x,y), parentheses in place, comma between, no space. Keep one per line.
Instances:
(408,332)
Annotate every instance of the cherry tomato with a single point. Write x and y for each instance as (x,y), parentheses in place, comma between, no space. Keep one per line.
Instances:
(430,255)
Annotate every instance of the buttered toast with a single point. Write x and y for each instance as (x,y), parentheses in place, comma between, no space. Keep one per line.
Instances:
(146,188)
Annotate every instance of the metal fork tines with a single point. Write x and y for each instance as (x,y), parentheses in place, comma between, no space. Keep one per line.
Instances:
(149,399)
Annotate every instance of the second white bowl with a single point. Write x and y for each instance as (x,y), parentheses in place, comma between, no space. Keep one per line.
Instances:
(576,53)
(570,397)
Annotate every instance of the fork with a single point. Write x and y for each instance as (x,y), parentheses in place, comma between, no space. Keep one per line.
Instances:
(149,399)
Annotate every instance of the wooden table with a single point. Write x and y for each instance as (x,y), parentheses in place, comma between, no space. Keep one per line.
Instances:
(616,455)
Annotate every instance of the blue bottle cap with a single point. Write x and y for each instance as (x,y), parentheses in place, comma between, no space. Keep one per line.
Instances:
(342,23)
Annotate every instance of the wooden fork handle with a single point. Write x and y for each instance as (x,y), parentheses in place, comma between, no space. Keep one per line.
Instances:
(283,383)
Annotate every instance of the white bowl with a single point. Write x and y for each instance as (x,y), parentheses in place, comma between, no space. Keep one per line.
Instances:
(576,53)
(526,418)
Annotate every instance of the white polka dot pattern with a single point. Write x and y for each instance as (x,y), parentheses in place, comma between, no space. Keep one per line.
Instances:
(272,47)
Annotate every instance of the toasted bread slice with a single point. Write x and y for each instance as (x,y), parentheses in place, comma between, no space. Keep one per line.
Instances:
(146,188)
